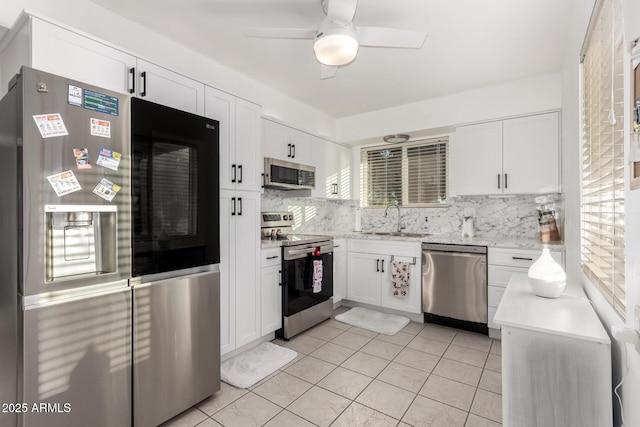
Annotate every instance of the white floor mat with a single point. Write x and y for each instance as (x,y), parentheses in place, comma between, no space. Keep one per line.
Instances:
(383,323)
(249,367)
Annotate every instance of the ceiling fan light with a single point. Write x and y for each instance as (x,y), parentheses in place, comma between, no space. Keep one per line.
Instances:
(336,49)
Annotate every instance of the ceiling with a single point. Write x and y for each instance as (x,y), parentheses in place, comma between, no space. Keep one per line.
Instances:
(470,44)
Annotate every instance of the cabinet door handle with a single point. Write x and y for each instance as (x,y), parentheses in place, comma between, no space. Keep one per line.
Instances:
(294,151)
(334,188)
(273,257)
(280,275)
(289,154)
(239,205)
(498,180)
(233,211)
(336,246)
(382,266)
(521,258)
(506,185)
(378,266)
(263,177)
(143,75)
(233,173)
(240,172)
(132,72)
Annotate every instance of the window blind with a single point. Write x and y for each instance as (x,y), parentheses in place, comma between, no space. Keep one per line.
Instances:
(602,199)
(410,174)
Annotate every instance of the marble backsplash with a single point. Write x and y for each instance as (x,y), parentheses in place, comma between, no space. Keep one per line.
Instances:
(501,216)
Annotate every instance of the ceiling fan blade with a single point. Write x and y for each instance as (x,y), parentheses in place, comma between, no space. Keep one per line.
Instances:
(342,10)
(390,37)
(280,33)
(327,71)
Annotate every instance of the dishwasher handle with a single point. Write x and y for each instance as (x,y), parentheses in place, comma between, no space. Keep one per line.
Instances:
(445,247)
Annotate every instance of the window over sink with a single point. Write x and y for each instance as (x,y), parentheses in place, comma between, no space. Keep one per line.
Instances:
(409,174)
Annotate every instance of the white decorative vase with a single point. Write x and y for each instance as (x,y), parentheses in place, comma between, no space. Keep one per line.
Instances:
(546,276)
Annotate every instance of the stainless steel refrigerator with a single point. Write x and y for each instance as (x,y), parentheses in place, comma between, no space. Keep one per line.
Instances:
(65,301)
(81,341)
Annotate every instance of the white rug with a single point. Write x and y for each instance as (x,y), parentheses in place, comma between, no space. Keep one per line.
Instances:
(249,367)
(383,323)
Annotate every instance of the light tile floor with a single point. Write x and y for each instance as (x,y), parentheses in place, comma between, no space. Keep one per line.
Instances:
(425,375)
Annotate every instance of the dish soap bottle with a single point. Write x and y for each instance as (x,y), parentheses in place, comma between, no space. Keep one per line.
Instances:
(425,227)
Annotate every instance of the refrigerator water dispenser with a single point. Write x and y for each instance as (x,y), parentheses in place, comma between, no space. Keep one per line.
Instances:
(80,240)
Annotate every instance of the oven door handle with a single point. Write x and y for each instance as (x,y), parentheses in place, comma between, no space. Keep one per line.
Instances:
(303,252)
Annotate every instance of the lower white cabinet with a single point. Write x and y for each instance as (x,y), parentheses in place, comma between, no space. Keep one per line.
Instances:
(339,269)
(502,263)
(369,273)
(239,269)
(556,359)
(270,290)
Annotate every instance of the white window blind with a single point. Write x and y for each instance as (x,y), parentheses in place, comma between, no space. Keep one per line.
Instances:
(410,174)
(602,204)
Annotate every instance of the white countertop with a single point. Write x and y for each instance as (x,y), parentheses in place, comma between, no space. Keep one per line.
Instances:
(570,315)
(437,238)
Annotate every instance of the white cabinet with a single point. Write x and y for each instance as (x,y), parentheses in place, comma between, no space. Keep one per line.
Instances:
(285,143)
(502,263)
(556,359)
(271,290)
(239,268)
(369,273)
(162,86)
(514,156)
(51,48)
(48,47)
(240,137)
(333,170)
(339,269)
(364,276)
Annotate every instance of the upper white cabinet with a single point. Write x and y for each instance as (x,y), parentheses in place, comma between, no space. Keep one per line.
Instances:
(53,49)
(57,50)
(285,143)
(240,135)
(157,84)
(333,169)
(514,156)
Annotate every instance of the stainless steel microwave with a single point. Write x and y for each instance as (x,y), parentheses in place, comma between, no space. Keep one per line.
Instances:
(285,175)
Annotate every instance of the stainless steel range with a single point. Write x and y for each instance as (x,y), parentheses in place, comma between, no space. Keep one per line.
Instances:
(307,273)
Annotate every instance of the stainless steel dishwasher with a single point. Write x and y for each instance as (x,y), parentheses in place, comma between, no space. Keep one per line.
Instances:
(454,285)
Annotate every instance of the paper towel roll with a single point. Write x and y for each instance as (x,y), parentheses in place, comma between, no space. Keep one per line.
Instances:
(358,225)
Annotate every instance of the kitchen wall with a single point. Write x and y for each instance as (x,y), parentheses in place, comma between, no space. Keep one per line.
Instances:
(520,97)
(504,217)
(312,215)
(86,16)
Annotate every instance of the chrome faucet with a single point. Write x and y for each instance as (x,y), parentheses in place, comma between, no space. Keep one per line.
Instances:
(400,226)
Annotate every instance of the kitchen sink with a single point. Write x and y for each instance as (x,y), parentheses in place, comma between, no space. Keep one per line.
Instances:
(395,233)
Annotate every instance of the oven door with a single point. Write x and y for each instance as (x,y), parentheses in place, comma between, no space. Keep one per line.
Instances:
(307,277)
(175,189)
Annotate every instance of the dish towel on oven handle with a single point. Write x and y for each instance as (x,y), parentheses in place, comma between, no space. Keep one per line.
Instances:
(400,278)
(317,276)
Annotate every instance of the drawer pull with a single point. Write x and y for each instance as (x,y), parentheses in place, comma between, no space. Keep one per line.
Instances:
(273,257)
(524,259)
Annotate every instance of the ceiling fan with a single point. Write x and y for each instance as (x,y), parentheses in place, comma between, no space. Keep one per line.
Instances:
(336,40)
